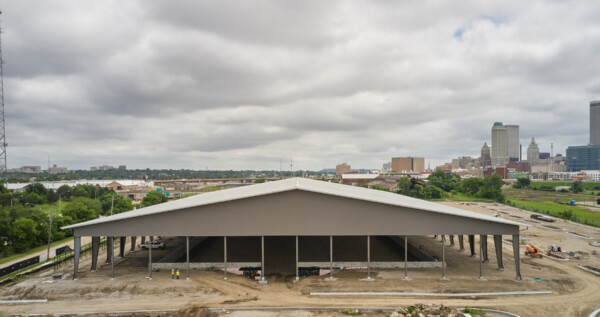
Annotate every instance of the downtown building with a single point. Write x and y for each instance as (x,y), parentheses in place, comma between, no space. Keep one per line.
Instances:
(587,157)
(505,144)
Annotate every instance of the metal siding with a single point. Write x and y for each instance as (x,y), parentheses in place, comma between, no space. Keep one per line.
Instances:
(296,212)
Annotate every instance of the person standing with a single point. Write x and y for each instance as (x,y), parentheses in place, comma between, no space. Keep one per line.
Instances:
(177,273)
(172,273)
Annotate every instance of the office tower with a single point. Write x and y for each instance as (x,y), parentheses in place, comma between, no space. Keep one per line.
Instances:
(595,123)
(512,133)
(343,168)
(499,145)
(408,164)
(533,153)
(485,159)
(586,157)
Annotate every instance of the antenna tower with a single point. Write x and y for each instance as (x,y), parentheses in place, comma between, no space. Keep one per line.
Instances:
(3,169)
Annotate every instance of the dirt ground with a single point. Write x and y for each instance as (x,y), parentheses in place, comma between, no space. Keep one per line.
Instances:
(575,292)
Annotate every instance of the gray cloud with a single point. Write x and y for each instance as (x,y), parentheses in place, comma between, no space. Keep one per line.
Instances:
(232,85)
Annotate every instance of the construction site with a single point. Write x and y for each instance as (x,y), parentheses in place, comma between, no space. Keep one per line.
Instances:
(362,261)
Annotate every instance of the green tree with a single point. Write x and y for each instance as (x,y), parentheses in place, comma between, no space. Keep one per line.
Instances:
(51,196)
(24,233)
(577,187)
(77,212)
(120,204)
(470,186)
(36,188)
(259,180)
(522,182)
(153,198)
(492,188)
(405,185)
(446,182)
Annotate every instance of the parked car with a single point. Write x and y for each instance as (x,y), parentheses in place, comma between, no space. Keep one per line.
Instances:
(154,245)
(542,218)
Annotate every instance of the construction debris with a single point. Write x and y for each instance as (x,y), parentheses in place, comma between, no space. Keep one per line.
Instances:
(434,310)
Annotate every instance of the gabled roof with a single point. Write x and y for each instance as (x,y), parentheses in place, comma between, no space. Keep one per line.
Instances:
(300,184)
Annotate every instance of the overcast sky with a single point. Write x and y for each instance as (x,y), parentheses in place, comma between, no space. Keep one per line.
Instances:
(247,84)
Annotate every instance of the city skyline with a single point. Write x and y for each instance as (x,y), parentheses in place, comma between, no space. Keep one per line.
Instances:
(152,87)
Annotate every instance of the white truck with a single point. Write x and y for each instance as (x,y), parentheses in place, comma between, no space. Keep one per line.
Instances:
(153,245)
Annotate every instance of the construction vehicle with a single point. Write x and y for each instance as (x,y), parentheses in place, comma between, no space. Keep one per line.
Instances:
(533,250)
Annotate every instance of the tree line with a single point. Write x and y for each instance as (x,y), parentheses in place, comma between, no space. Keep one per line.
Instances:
(441,183)
(23,223)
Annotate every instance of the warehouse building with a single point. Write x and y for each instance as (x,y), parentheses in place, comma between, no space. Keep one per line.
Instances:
(284,226)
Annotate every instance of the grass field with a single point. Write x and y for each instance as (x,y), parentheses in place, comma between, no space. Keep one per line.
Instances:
(544,202)
(552,185)
(32,251)
(47,207)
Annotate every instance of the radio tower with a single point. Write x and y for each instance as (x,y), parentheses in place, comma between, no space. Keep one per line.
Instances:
(3,169)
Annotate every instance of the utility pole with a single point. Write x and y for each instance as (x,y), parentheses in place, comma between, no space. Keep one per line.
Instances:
(3,144)
(50,231)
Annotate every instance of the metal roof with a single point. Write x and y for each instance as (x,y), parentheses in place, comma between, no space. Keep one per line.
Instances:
(299,184)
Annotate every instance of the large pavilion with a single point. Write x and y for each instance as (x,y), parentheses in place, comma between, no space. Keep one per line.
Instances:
(295,222)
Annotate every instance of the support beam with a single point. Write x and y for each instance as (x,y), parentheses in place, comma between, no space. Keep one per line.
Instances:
(472,244)
(112,263)
(225,257)
(143,239)
(480,258)
(498,247)
(109,249)
(331,257)
(122,241)
(515,239)
(262,259)
(187,255)
(461,243)
(77,247)
(297,268)
(484,247)
(95,249)
(150,260)
(368,257)
(133,238)
(443,256)
(405,257)
(451,240)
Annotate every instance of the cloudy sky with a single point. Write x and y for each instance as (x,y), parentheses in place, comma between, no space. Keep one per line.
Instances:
(247,84)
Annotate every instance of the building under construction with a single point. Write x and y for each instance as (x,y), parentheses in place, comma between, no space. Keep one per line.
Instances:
(290,226)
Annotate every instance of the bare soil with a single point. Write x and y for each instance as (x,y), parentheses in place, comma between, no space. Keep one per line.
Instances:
(575,292)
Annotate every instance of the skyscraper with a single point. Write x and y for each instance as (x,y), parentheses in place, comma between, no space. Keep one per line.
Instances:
(499,144)
(595,123)
(485,159)
(512,132)
(533,153)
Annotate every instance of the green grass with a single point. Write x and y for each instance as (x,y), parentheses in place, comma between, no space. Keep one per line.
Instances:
(586,185)
(568,212)
(32,251)
(47,207)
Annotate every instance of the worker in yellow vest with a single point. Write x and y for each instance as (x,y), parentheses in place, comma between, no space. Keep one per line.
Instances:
(177,273)
(173,273)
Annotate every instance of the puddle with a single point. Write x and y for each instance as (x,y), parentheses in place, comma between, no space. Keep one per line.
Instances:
(579,235)
(550,227)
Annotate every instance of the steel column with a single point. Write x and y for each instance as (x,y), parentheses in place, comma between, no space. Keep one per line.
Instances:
(95,249)
(515,239)
(133,238)
(77,247)
(150,259)
(112,264)
(472,244)
(225,257)
(368,257)
(484,248)
(461,243)
(262,258)
(187,254)
(498,247)
(443,256)
(480,257)
(297,269)
(331,257)
(405,257)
